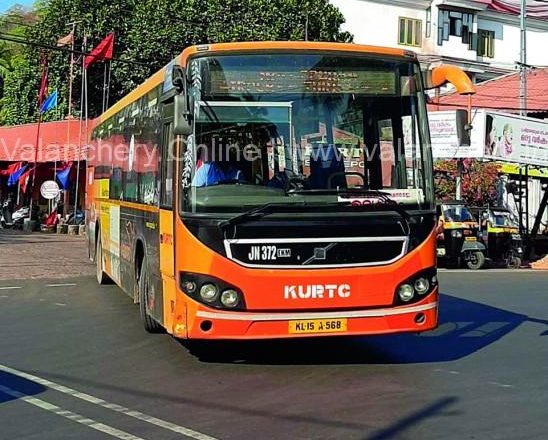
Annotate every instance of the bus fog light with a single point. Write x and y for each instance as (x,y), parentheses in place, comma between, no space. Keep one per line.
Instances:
(230,298)
(189,286)
(208,292)
(421,285)
(406,292)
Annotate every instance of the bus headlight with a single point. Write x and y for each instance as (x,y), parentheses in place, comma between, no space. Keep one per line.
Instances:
(211,291)
(208,292)
(230,298)
(406,292)
(417,287)
(422,285)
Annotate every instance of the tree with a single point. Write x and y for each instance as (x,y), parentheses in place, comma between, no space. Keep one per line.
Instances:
(149,33)
(479,181)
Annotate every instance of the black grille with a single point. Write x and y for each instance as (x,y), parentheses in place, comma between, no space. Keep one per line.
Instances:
(318,253)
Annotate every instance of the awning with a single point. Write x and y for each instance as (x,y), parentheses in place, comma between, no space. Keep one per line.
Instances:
(59,141)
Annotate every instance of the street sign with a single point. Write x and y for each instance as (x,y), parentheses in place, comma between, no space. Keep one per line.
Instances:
(49,189)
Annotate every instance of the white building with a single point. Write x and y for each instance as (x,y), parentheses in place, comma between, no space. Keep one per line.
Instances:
(482,37)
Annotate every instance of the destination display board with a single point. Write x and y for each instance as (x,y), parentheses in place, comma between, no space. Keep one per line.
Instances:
(363,82)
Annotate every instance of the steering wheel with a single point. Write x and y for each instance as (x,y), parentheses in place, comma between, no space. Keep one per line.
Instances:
(345,173)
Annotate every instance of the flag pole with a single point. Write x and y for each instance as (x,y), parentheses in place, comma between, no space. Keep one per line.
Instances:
(108,82)
(69,112)
(83,110)
(43,91)
(104,87)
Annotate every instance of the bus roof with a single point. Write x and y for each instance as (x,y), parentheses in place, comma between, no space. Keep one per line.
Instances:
(157,78)
(294,45)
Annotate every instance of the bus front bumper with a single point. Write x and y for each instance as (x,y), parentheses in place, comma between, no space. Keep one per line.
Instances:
(216,324)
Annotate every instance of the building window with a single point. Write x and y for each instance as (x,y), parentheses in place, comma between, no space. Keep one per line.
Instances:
(410,32)
(486,43)
(428,22)
(456,23)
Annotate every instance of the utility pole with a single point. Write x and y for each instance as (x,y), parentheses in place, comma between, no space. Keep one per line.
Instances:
(523,60)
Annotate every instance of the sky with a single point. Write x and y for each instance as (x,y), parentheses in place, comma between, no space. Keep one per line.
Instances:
(6,4)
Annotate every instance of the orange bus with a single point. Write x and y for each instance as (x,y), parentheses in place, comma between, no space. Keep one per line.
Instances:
(271,190)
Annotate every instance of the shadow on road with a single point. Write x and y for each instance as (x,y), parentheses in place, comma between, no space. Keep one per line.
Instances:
(14,387)
(464,328)
(435,409)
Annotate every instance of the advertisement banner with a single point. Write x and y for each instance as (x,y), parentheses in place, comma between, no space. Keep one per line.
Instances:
(516,139)
(450,140)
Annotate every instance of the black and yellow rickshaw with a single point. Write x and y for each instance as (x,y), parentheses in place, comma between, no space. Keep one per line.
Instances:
(500,234)
(458,236)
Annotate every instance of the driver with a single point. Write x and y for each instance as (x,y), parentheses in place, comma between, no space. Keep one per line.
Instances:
(213,172)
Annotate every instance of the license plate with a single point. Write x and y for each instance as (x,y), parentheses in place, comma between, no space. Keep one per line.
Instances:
(318,326)
(471,239)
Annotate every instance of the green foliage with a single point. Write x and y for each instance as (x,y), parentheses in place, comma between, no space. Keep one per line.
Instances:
(149,33)
(478,183)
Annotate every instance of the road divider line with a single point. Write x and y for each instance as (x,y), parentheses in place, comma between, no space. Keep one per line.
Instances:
(61,285)
(75,417)
(10,287)
(112,406)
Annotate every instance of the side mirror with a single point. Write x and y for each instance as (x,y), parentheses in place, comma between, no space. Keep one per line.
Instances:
(178,78)
(181,123)
(438,211)
(443,74)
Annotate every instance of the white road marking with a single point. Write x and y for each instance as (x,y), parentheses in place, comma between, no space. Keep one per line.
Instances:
(69,415)
(60,304)
(502,385)
(112,406)
(61,285)
(10,287)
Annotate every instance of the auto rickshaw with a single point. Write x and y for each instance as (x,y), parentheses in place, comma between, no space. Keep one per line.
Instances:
(500,234)
(458,236)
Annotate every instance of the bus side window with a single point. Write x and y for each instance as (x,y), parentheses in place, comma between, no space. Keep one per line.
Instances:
(166,167)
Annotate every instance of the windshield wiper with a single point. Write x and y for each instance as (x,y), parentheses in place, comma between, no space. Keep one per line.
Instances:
(269,208)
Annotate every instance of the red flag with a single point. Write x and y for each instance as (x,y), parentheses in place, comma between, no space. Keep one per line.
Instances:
(43,83)
(24,180)
(11,169)
(103,51)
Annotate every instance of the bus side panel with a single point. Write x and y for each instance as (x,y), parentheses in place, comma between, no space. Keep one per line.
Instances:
(151,232)
(131,222)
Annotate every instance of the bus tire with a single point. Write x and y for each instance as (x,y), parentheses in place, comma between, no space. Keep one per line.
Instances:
(102,277)
(476,260)
(150,325)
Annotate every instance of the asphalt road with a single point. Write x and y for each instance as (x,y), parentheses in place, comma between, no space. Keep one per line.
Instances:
(75,363)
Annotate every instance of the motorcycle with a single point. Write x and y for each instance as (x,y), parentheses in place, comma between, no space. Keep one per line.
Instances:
(76,219)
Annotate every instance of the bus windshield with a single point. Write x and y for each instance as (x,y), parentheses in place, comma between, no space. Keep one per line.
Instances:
(319,128)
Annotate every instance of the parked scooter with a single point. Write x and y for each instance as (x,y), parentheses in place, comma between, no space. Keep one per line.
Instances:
(457,237)
(6,219)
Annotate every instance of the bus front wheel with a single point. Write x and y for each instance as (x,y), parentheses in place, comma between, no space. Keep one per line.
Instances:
(149,323)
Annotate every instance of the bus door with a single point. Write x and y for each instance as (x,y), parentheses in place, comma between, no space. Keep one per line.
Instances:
(167,195)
